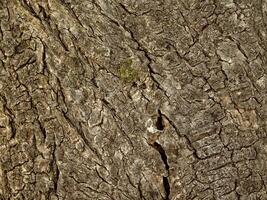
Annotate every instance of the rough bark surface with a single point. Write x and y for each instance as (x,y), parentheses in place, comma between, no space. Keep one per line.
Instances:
(133,99)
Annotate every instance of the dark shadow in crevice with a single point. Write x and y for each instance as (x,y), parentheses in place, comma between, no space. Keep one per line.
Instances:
(167,187)
(159,124)
(164,159)
(163,155)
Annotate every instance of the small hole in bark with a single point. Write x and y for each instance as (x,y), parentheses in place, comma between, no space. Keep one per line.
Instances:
(159,123)
(134,84)
(143,86)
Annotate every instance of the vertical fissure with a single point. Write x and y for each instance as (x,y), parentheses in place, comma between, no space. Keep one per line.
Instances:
(163,155)
(164,159)
(167,187)
(159,124)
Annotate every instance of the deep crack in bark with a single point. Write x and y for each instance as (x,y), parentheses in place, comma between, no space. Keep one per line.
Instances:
(72,128)
(164,159)
(160,124)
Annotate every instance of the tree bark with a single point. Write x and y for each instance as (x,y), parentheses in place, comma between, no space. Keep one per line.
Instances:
(127,100)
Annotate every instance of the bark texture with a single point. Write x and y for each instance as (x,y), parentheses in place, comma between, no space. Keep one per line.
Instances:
(133,99)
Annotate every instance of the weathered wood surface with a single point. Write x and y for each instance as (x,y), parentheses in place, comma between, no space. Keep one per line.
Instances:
(133,99)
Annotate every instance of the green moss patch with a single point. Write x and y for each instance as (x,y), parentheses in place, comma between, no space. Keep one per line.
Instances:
(127,72)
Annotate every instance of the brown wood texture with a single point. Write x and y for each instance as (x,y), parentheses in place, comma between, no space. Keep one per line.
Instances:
(133,99)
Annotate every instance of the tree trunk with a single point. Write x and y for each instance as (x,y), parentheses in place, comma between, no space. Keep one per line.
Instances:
(128,100)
